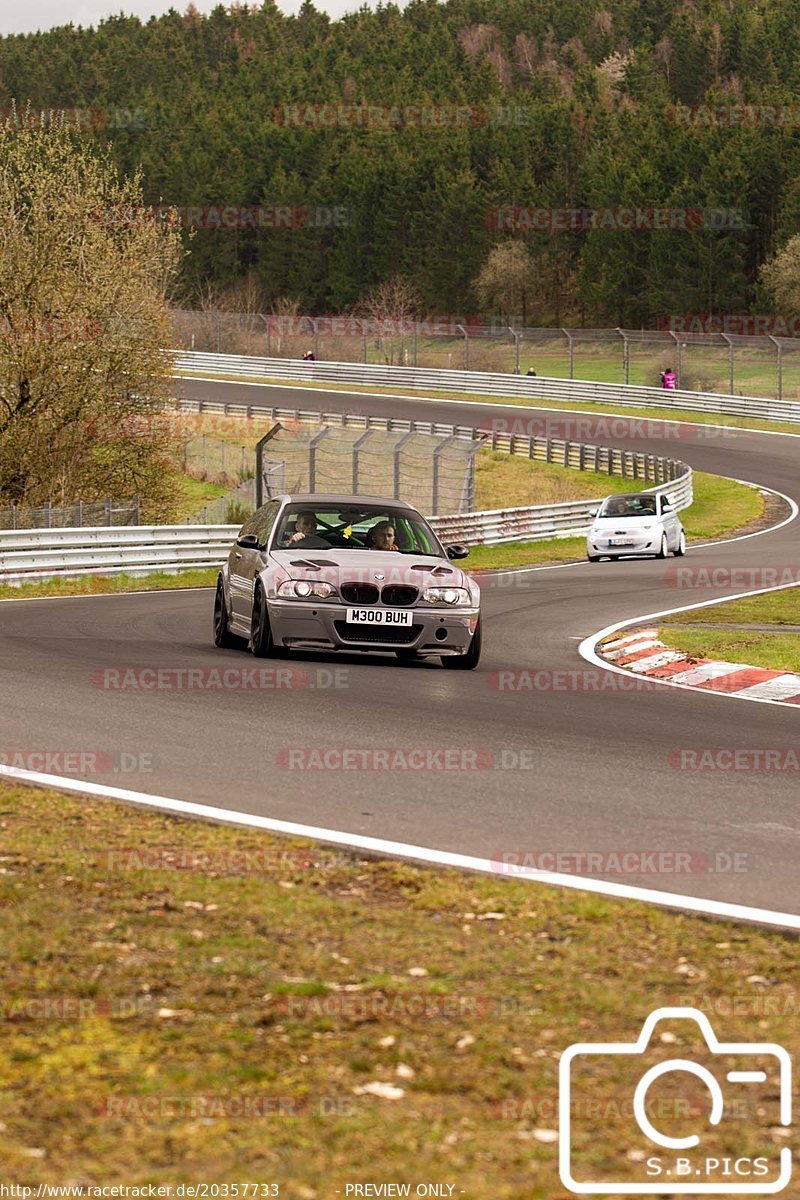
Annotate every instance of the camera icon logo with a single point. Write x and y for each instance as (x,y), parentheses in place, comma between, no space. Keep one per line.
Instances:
(732,1092)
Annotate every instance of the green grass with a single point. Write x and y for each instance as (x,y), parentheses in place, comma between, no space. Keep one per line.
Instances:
(774,651)
(306,977)
(93,585)
(773,608)
(511,481)
(195,495)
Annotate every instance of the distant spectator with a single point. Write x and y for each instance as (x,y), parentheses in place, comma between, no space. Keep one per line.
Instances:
(530,371)
(309,356)
(668,380)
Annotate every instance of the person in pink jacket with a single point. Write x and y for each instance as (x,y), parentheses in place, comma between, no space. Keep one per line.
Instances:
(668,379)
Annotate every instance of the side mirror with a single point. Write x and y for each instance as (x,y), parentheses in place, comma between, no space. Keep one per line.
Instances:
(457,551)
(667,508)
(593,512)
(249,542)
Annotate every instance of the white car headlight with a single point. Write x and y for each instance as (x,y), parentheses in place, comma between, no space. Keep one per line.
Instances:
(304,589)
(449,596)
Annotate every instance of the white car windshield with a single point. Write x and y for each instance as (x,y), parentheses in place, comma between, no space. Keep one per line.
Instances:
(629,506)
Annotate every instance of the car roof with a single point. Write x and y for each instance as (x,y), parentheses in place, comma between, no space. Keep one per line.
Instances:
(632,496)
(337,498)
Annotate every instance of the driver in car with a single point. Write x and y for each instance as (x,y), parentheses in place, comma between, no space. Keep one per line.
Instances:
(305,526)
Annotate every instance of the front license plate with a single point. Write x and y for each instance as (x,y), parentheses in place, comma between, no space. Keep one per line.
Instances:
(379,616)
(620,541)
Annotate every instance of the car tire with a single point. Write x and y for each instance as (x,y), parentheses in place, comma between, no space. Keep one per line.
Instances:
(680,549)
(261,642)
(663,550)
(223,638)
(593,557)
(468,661)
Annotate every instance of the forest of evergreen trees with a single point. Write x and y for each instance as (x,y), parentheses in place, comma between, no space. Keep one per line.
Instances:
(571,104)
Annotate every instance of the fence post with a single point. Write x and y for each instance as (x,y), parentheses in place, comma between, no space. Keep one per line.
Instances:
(108,510)
(13,516)
(730,363)
(357,444)
(568,336)
(47,514)
(515,336)
(435,488)
(312,455)
(461,329)
(416,328)
(396,460)
(268,321)
(779,348)
(219,334)
(138,510)
(79,514)
(316,336)
(679,363)
(364,340)
(625,355)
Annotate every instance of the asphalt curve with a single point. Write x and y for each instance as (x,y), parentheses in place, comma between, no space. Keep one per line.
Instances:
(573,764)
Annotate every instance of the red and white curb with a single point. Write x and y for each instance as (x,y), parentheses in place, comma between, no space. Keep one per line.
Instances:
(643,653)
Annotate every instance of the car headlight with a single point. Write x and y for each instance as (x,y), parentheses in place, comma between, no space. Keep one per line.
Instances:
(449,596)
(305,589)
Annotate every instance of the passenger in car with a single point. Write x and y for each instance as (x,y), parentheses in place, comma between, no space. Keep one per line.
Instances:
(381,537)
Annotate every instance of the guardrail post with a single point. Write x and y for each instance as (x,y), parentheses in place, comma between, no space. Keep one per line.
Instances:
(548,450)
(79,514)
(108,510)
(566,453)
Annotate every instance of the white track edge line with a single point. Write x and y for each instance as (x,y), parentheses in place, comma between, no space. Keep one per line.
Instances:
(715,908)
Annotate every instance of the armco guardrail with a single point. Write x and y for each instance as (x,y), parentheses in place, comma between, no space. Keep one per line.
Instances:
(30,555)
(482,383)
(27,555)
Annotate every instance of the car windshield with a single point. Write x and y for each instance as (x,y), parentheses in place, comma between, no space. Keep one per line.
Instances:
(367,527)
(628,506)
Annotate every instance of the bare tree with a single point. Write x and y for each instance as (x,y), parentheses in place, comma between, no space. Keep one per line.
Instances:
(505,281)
(780,276)
(391,308)
(84,271)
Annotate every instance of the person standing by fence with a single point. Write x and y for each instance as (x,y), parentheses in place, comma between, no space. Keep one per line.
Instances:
(668,380)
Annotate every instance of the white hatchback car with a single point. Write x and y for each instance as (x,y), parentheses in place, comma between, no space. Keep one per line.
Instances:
(635,524)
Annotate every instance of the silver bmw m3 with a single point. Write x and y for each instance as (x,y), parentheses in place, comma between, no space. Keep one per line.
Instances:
(346,573)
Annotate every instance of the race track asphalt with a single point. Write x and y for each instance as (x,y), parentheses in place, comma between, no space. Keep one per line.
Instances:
(575,763)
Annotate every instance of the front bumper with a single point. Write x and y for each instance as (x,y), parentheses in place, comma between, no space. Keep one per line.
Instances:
(598,546)
(302,625)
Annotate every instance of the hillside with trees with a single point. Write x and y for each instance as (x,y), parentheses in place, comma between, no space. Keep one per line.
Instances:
(576,104)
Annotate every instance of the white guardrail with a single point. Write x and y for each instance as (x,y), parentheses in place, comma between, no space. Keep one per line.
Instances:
(481,383)
(28,555)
